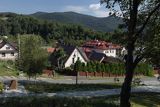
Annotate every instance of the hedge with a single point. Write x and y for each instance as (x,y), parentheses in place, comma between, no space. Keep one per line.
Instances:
(113,68)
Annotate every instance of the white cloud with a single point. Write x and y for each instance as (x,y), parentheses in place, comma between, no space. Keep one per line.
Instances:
(101,13)
(92,9)
(95,6)
(97,10)
(79,9)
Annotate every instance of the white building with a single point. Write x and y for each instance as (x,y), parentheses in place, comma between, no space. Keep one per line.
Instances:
(74,54)
(8,51)
(109,49)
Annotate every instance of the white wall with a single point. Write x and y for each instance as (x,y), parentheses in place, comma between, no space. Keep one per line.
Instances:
(109,52)
(69,62)
(8,56)
(7,52)
(123,51)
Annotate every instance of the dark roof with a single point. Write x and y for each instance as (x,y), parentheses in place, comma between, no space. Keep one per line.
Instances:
(111,60)
(10,43)
(101,57)
(68,49)
(2,43)
(83,54)
(95,56)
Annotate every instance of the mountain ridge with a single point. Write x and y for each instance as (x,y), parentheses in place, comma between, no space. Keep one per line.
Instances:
(105,24)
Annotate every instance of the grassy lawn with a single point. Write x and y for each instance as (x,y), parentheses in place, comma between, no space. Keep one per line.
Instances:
(146,100)
(138,100)
(46,87)
(7,68)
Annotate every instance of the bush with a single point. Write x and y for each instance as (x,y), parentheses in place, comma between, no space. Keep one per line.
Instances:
(114,68)
(1,87)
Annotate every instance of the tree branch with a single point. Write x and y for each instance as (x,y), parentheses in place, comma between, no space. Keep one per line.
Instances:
(148,18)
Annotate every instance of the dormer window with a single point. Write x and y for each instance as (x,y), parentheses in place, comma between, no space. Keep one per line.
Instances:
(7,47)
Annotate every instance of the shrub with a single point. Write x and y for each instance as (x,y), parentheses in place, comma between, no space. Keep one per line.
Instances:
(1,86)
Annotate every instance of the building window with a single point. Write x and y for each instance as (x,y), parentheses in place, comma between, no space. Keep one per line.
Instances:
(106,52)
(12,53)
(73,60)
(78,59)
(7,47)
(3,54)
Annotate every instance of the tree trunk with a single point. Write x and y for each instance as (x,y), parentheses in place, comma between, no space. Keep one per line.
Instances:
(126,87)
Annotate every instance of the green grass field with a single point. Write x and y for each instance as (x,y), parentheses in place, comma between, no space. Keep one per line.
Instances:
(7,68)
(48,87)
(146,100)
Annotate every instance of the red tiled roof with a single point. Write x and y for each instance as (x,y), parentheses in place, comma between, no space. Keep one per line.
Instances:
(101,45)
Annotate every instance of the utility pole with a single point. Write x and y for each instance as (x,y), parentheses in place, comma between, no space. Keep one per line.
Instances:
(19,46)
(19,51)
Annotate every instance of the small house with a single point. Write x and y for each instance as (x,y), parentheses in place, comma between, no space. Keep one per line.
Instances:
(8,51)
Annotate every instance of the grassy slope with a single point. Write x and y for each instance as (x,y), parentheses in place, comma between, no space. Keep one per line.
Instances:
(7,69)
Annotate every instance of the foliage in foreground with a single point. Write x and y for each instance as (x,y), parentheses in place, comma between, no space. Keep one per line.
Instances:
(57,102)
(147,100)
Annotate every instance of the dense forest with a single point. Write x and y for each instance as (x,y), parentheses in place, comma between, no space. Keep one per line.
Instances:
(71,34)
(105,24)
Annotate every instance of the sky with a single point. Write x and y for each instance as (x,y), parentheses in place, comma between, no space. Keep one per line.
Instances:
(89,7)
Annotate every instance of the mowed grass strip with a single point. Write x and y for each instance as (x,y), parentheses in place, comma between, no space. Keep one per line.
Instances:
(47,87)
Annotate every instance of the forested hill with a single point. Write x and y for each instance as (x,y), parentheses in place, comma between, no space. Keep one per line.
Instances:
(13,24)
(107,24)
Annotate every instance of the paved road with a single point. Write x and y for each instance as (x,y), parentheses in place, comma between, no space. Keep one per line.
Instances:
(86,94)
(71,80)
(153,86)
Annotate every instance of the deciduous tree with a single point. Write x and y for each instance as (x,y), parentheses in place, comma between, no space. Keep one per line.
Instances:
(33,57)
(136,15)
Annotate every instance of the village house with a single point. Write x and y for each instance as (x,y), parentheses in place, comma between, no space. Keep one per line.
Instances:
(109,49)
(94,50)
(8,51)
(72,55)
